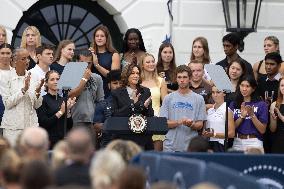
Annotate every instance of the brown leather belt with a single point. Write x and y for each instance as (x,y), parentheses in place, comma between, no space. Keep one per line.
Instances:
(241,136)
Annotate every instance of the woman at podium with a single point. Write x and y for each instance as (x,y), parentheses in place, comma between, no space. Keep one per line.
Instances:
(134,100)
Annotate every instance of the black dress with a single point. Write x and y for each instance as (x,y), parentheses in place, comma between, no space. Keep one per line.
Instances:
(278,136)
(49,121)
(122,107)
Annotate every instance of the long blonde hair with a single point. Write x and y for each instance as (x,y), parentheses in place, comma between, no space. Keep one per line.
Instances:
(155,75)
(5,32)
(24,37)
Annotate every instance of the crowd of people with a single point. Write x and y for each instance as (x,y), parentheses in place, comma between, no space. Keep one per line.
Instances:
(36,117)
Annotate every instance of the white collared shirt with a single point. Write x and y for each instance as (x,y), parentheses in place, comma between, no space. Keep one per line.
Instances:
(38,74)
(276,77)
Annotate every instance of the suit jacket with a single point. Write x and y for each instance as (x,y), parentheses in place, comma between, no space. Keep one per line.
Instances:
(122,107)
(122,104)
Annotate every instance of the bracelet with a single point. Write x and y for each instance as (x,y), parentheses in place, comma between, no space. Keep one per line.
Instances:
(60,112)
(84,79)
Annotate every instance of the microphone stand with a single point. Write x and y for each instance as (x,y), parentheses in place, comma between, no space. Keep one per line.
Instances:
(65,91)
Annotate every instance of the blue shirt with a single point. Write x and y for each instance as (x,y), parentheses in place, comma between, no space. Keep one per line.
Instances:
(100,112)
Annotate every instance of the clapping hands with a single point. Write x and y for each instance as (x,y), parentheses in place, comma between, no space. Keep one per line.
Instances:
(247,110)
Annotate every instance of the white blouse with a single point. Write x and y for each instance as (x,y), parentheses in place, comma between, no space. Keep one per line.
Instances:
(20,109)
(216,120)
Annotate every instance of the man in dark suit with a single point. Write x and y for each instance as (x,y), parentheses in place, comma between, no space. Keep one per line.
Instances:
(231,44)
(80,148)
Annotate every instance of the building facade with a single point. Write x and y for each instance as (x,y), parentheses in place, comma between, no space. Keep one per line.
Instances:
(191,18)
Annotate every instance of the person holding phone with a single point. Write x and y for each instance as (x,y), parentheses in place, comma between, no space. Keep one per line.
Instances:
(215,124)
(166,65)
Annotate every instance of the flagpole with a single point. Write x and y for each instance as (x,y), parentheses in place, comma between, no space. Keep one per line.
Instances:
(170,9)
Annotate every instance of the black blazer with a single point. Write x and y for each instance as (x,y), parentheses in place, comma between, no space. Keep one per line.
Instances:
(122,104)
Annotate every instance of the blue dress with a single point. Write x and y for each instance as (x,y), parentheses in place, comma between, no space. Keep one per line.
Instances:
(105,60)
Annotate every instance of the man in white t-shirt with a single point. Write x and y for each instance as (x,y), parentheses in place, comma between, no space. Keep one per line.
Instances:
(185,112)
(45,58)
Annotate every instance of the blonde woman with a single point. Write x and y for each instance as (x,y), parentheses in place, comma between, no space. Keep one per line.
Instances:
(158,89)
(3,35)
(31,39)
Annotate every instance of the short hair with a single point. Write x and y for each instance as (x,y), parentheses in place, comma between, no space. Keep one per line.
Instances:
(184,68)
(40,142)
(36,175)
(43,47)
(10,166)
(126,178)
(196,62)
(79,141)
(81,52)
(274,56)
(126,148)
(16,53)
(6,45)
(198,144)
(232,38)
(106,168)
(114,75)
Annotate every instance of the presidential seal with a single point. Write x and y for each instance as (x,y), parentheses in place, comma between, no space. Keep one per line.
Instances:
(137,123)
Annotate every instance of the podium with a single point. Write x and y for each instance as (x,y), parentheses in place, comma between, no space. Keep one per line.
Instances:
(119,128)
(119,125)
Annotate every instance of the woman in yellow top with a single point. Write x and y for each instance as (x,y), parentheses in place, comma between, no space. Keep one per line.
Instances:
(158,88)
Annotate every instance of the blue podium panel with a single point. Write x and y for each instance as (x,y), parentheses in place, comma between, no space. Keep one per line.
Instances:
(184,172)
(229,178)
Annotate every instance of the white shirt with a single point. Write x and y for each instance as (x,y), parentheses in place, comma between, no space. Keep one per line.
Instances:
(216,120)
(38,74)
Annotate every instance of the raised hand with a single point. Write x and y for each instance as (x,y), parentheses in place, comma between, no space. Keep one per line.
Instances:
(250,110)
(87,74)
(244,111)
(147,102)
(38,88)
(135,96)
(27,82)
(162,74)
(71,102)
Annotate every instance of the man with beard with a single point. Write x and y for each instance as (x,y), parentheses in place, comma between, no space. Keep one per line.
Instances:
(185,111)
